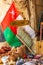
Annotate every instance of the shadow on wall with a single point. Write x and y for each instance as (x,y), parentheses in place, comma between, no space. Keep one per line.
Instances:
(40,20)
(2,39)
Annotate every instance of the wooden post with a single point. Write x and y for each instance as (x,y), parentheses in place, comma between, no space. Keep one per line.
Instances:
(41,31)
(33,15)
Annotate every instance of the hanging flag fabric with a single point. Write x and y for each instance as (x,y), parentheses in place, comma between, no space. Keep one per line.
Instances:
(11,38)
(11,15)
(8,30)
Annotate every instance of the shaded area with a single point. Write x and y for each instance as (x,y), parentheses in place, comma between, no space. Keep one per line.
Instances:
(2,39)
(38,26)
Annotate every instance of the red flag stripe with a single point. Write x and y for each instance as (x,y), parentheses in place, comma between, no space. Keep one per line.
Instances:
(11,15)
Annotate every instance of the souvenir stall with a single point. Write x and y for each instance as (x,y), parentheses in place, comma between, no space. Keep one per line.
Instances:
(21,32)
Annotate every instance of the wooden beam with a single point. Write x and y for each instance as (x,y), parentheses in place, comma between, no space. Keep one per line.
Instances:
(28,8)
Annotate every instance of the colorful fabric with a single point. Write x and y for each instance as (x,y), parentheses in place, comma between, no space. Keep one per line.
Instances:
(11,15)
(11,38)
(8,30)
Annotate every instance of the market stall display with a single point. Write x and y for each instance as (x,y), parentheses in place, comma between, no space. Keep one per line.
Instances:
(21,46)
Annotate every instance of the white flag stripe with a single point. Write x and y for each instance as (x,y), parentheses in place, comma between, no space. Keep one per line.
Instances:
(19,17)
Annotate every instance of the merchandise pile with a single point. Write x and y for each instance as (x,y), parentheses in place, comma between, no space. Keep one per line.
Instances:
(18,56)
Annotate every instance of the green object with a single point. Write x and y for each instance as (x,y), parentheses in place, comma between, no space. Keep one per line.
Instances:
(11,38)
